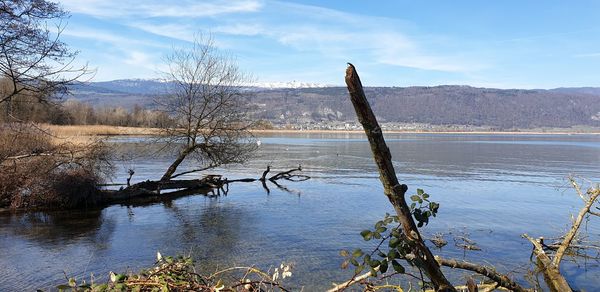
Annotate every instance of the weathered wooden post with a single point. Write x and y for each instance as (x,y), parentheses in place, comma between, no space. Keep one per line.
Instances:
(392,188)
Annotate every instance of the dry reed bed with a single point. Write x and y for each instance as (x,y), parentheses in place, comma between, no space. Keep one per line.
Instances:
(97,130)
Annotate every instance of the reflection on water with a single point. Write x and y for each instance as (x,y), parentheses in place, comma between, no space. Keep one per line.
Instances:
(494,187)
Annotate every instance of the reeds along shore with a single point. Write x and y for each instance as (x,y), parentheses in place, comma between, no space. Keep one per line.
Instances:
(97,130)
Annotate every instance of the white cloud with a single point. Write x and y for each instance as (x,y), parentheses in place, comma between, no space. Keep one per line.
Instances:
(174,30)
(138,58)
(283,30)
(335,34)
(248,29)
(153,8)
(109,37)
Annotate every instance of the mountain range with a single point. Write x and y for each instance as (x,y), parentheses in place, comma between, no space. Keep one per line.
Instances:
(436,105)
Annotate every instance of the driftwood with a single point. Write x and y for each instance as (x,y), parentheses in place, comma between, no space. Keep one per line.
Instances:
(392,188)
(550,266)
(151,191)
(500,279)
(555,281)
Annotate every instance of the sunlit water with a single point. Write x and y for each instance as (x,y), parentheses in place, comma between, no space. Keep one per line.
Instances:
(492,187)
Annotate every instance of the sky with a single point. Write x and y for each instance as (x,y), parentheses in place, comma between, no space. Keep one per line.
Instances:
(501,44)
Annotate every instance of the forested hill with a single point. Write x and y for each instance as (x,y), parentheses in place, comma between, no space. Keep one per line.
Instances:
(439,105)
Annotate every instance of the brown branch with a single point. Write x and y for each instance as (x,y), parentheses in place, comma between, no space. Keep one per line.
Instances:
(392,188)
(194,170)
(502,280)
(284,174)
(264,175)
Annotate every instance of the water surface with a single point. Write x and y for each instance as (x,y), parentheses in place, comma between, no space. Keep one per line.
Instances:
(492,188)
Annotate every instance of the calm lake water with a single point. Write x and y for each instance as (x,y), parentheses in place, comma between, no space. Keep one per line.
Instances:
(492,188)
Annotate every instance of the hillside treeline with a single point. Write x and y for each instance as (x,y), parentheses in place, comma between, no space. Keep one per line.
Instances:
(440,105)
(73,112)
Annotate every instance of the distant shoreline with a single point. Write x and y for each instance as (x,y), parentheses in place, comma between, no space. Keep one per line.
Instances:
(524,132)
(101,130)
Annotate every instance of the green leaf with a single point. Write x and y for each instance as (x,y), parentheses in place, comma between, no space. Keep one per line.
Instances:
(384,266)
(101,287)
(420,192)
(425,195)
(344,253)
(381,229)
(63,287)
(394,241)
(414,198)
(374,263)
(357,253)
(366,234)
(398,267)
(354,262)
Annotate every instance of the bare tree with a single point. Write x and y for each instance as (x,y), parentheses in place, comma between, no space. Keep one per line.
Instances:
(209,106)
(32,58)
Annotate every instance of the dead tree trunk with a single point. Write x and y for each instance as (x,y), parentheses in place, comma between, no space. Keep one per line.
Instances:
(173,167)
(392,188)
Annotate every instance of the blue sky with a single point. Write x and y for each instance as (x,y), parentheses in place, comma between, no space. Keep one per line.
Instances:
(503,44)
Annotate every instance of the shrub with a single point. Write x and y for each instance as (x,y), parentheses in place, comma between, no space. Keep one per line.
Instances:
(37,171)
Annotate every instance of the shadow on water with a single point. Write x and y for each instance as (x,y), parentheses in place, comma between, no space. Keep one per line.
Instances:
(54,229)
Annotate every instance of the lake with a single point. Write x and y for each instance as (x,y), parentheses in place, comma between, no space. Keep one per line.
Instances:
(491,188)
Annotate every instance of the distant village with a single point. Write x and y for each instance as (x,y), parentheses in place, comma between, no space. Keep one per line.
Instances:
(386,126)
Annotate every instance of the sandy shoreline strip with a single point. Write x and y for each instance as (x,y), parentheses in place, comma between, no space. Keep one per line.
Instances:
(281,131)
(99,130)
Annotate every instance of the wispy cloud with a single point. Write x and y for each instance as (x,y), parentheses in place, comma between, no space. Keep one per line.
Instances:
(113,38)
(340,35)
(280,30)
(153,8)
(174,30)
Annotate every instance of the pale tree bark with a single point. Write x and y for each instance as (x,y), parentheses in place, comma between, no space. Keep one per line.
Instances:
(583,213)
(555,281)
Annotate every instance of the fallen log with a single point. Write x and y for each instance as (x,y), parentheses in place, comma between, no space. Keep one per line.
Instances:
(151,190)
(154,191)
